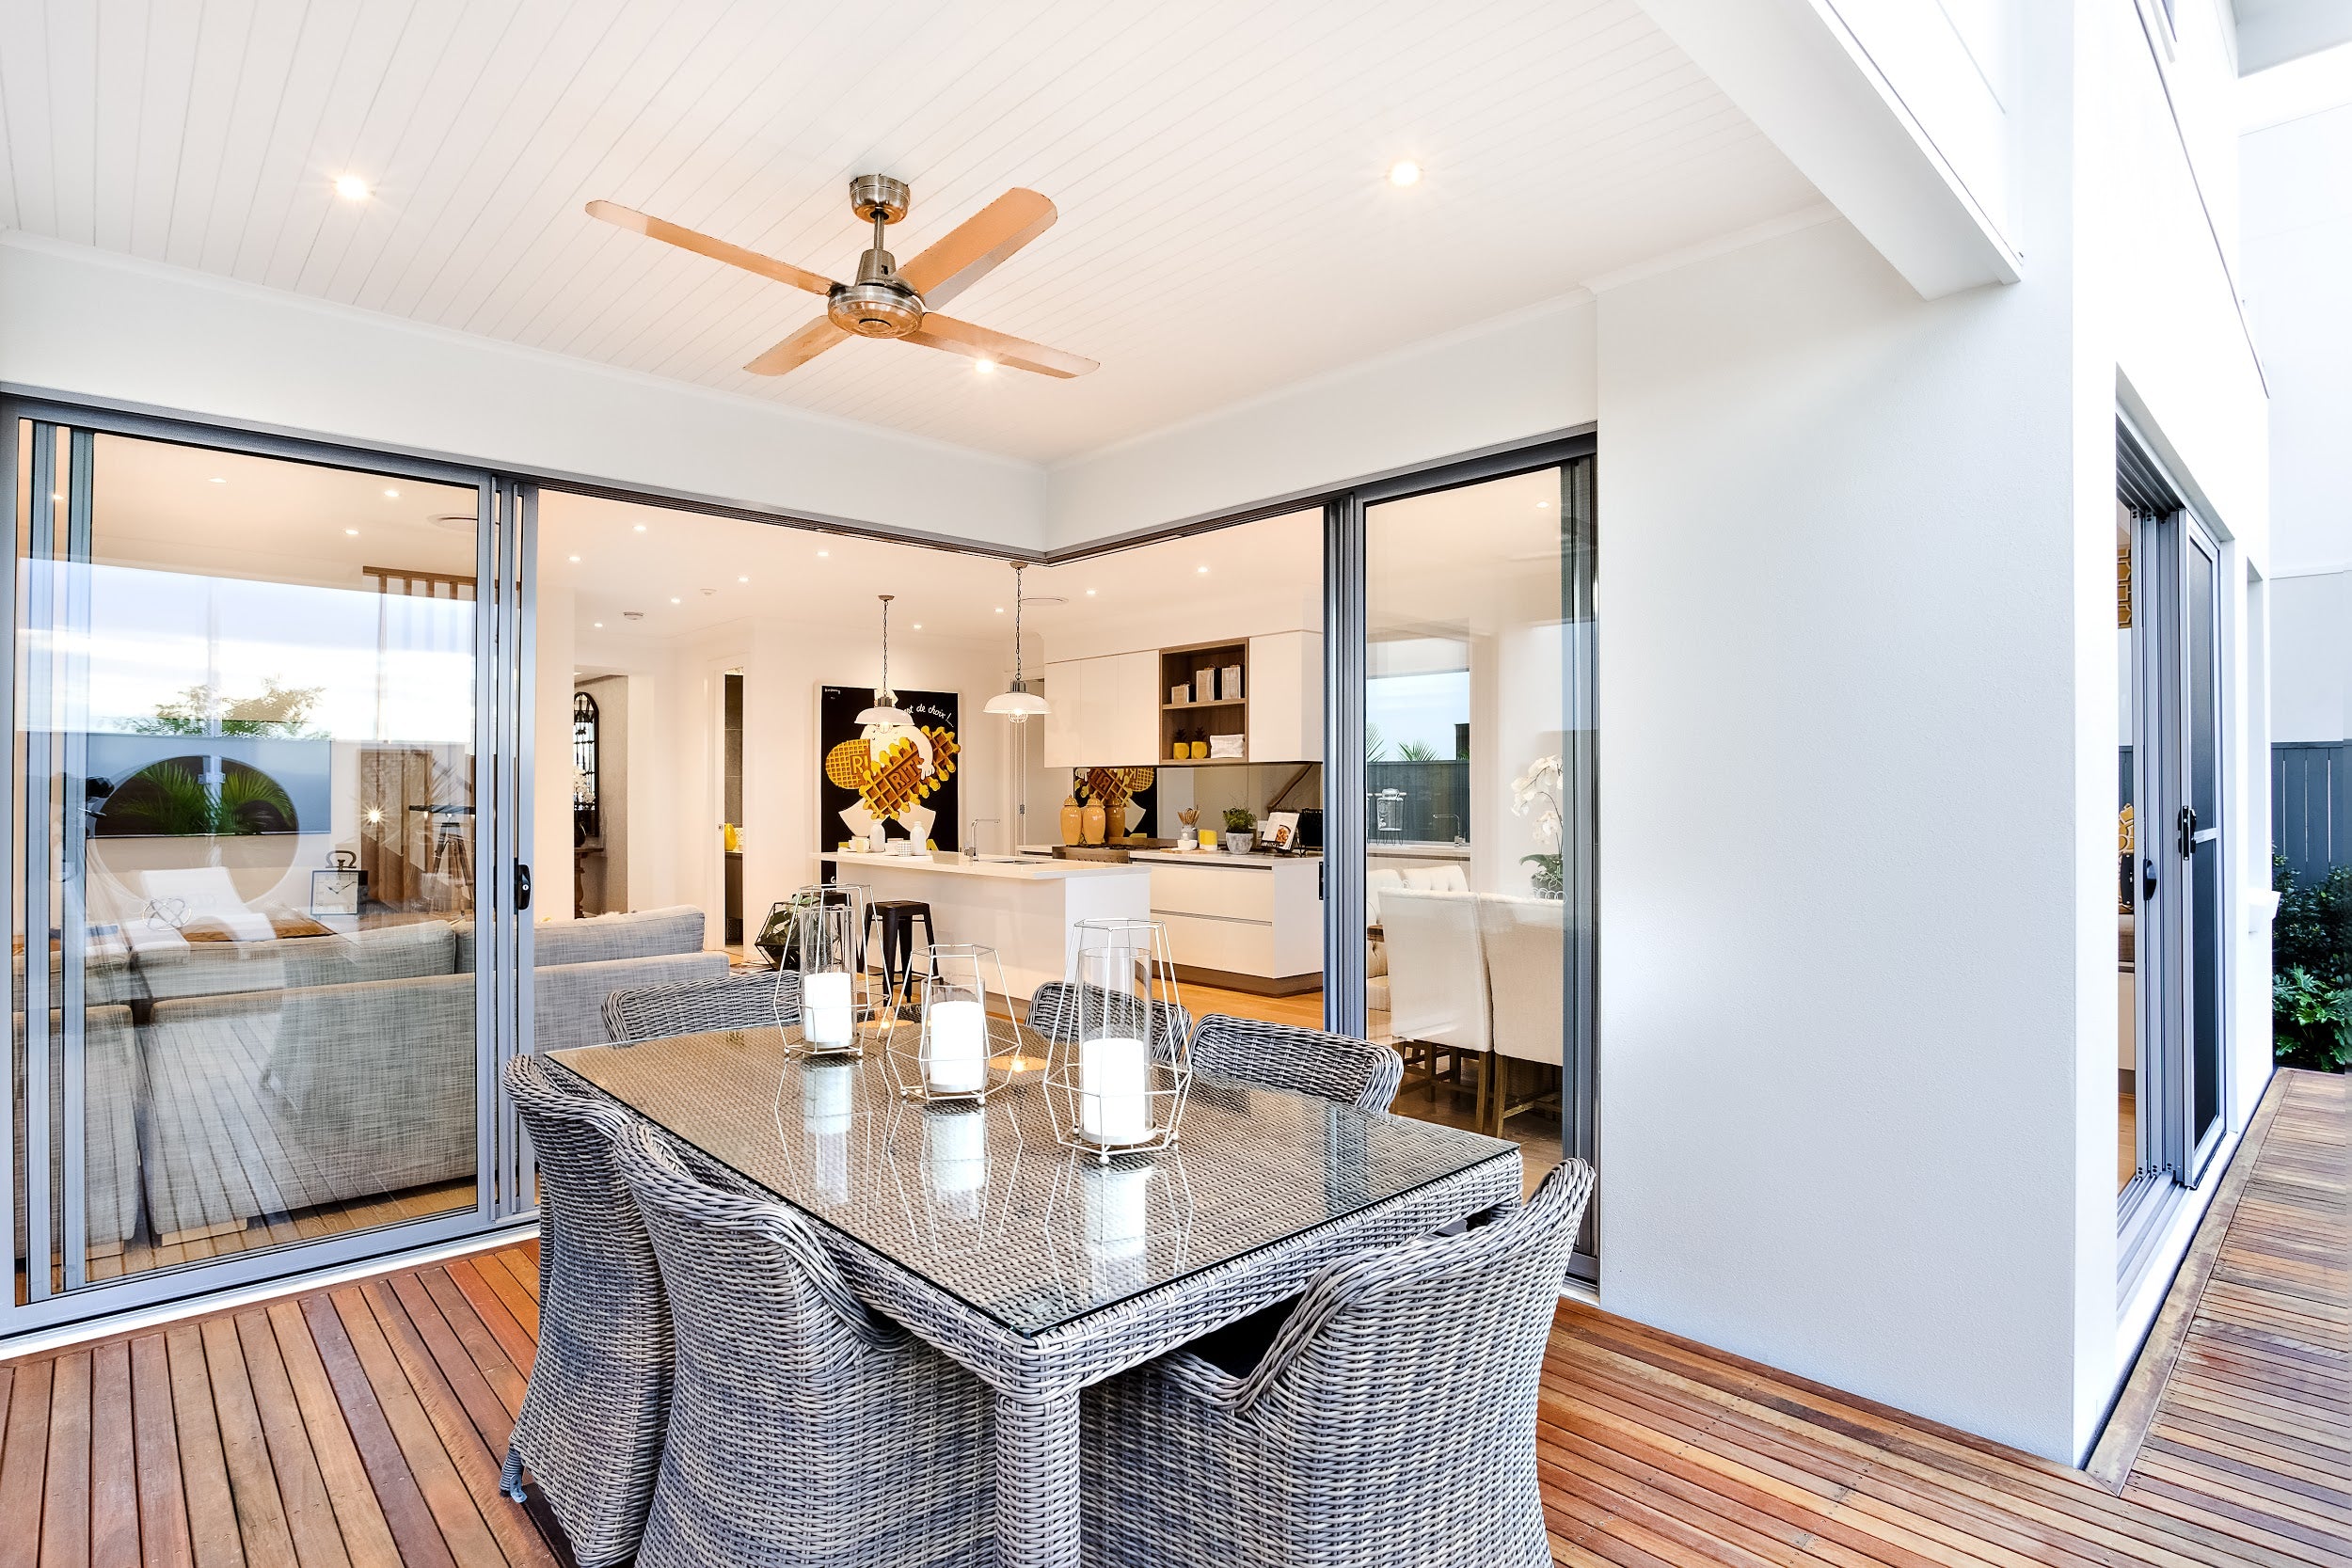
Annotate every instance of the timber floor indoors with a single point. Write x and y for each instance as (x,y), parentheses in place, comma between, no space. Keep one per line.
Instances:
(364,1426)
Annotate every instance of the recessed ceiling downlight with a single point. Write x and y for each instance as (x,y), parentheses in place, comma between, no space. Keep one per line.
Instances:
(456,522)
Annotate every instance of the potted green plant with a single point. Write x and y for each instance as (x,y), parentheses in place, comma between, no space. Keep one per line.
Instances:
(2310,988)
(1536,793)
(1241,830)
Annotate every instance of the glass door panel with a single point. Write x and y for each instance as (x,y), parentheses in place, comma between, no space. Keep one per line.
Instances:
(2201,834)
(1479,804)
(247,734)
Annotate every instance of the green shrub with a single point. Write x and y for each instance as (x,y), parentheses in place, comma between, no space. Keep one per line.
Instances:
(2310,988)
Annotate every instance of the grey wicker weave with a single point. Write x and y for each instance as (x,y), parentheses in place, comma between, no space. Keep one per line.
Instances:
(1268,1189)
(1392,1419)
(1053,1013)
(1309,1061)
(805,1429)
(759,999)
(593,1416)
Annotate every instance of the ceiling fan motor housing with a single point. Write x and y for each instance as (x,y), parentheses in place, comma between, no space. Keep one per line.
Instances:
(875,309)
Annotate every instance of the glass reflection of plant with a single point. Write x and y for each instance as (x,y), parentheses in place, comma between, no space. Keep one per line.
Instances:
(1536,793)
(280,711)
(172,798)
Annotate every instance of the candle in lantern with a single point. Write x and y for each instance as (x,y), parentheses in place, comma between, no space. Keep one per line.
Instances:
(825,1009)
(1114,1098)
(956,1036)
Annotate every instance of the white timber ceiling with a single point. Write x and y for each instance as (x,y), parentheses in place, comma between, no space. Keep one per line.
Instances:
(1226,224)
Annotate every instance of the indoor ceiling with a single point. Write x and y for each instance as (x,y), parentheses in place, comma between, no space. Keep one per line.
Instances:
(1227,225)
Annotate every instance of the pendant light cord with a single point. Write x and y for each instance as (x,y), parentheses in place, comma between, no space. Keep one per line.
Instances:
(1017,568)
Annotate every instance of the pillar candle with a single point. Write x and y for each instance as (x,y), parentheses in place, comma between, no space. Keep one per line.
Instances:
(825,1008)
(826,1115)
(955,1154)
(1113,1084)
(1118,1210)
(956,1047)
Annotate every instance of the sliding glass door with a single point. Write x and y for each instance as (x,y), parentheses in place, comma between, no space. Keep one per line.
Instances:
(262,897)
(2172,898)
(1462,889)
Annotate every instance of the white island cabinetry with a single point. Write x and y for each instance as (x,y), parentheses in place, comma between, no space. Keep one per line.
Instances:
(1246,921)
(1024,911)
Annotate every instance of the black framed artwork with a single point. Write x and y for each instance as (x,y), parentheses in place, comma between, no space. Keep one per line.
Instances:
(914,784)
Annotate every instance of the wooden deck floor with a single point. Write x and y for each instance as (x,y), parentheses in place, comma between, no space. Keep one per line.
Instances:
(363,1426)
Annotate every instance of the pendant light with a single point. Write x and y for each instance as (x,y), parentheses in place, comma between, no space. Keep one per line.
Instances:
(885,712)
(1020,703)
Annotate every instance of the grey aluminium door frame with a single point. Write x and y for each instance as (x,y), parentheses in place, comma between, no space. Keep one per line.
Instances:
(504,516)
(1345,652)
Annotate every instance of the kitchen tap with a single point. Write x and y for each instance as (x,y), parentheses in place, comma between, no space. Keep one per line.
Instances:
(971,835)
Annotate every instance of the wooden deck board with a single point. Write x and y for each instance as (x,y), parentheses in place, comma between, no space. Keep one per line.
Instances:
(366,1425)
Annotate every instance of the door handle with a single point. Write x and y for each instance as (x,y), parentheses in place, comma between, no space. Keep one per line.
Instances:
(2147,878)
(522,887)
(2186,822)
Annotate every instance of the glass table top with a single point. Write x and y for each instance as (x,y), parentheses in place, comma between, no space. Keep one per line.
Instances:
(983,1201)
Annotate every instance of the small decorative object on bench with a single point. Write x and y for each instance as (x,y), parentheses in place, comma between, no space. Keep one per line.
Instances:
(1114,1089)
(1240,829)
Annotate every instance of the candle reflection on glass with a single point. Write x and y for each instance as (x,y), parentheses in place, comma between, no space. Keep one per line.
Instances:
(955,1158)
(826,1115)
(1118,1209)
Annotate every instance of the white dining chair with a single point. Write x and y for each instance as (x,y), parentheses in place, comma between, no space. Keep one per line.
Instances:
(1438,1002)
(1526,954)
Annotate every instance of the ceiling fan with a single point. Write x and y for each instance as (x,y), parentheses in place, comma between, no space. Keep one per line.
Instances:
(888,300)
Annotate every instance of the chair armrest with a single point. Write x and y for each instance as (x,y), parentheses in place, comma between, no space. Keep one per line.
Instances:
(1200,1378)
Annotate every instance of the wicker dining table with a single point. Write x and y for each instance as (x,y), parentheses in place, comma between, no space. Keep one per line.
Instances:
(1037,1269)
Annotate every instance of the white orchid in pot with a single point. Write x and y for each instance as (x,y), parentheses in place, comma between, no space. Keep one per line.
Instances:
(1536,793)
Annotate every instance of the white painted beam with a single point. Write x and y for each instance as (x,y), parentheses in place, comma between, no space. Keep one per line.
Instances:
(1887,150)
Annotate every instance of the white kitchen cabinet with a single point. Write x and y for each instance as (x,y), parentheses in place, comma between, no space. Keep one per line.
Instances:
(1103,710)
(1247,921)
(1286,697)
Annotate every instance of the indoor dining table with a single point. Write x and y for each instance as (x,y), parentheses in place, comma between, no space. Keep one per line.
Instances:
(1040,1269)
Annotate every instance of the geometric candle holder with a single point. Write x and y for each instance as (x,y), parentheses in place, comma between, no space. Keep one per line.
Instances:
(1117,1084)
(832,1008)
(944,1056)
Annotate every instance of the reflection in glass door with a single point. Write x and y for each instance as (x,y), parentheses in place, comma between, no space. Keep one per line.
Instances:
(250,697)
(1476,805)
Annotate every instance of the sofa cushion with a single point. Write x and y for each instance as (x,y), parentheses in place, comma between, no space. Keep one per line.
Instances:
(269,1101)
(567,1000)
(284,963)
(639,934)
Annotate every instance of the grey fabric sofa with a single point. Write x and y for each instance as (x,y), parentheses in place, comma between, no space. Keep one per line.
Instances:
(296,1073)
(113,1087)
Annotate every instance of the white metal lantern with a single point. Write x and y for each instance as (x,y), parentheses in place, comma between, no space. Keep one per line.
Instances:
(947,1053)
(832,1008)
(1119,1076)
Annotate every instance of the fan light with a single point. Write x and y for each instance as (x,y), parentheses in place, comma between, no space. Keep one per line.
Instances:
(1020,705)
(885,712)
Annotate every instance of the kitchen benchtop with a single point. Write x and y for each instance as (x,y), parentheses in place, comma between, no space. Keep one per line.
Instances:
(1196,857)
(1029,869)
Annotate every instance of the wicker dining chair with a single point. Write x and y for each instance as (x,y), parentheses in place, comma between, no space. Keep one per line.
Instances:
(1285,1056)
(1392,1419)
(803,1430)
(756,999)
(593,1416)
(1053,1013)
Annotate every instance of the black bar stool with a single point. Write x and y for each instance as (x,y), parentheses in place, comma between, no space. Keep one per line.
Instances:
(897,918)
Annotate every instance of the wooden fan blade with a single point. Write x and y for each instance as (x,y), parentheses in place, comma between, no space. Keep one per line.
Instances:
(971,250)
(799,349)
(959,337)
(703,244)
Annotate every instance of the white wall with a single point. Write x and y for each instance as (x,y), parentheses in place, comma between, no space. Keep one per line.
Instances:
(2297,212)
(1839,985)
(93,324)
(676,695)
(1526,374)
